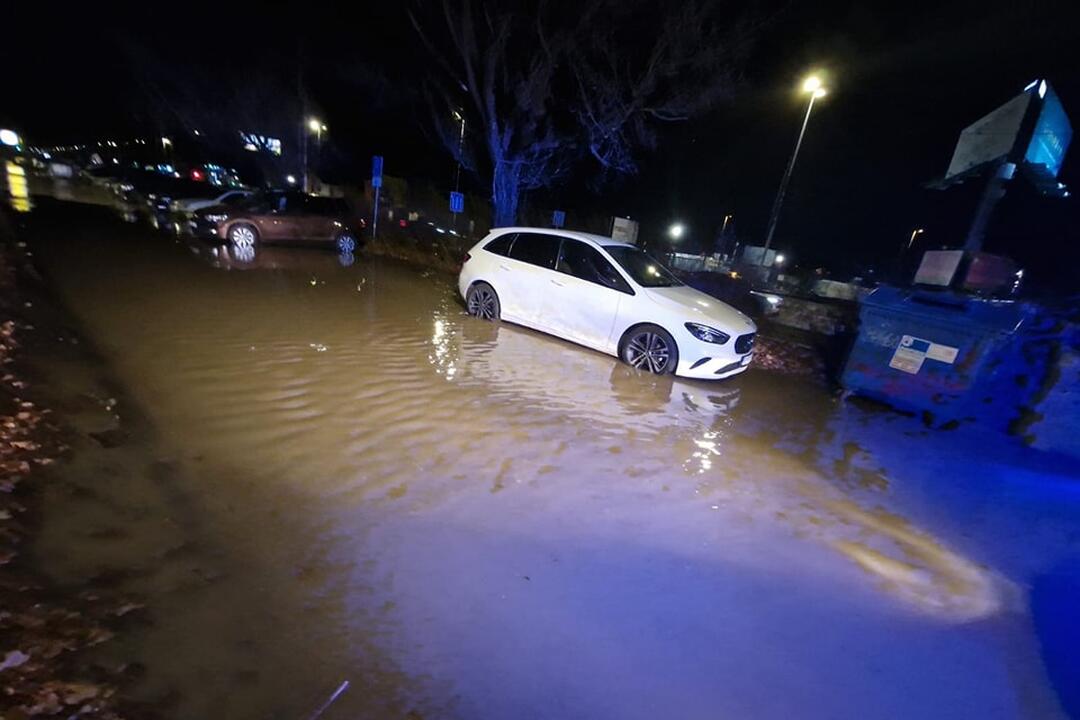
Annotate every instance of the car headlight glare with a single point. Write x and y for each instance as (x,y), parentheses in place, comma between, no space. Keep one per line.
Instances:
(707,334)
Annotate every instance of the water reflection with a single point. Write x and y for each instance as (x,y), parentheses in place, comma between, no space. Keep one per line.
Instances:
(539,371)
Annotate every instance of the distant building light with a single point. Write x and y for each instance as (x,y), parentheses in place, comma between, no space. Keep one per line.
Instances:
(254,143)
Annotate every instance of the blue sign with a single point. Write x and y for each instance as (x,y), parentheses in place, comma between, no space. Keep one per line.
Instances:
(376,171)
(457,202)
(1052,133)
(558,218)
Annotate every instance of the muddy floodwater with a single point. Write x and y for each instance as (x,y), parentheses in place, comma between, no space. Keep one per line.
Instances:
(318,470)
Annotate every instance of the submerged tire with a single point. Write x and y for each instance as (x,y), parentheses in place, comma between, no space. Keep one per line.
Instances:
(243,235)
(481,301)
(651,348)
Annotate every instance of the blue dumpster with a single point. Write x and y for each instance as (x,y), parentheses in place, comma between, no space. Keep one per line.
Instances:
(950,357)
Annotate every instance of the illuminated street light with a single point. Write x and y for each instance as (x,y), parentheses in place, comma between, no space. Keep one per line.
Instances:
(316,126)
(676,231)
(9,137)
(779,259)
(816,89)
(914,233)
(291,179)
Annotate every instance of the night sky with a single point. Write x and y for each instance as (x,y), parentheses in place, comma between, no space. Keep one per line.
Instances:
(904,79)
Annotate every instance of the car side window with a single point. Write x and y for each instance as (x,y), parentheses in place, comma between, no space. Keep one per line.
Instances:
(501,245)
(582,261)
(324,205)
(536,249)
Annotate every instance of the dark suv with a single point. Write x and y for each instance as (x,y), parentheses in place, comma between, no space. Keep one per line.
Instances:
(282,216)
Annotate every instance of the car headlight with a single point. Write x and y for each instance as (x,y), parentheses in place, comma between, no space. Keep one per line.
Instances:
(707,334)
(215,219)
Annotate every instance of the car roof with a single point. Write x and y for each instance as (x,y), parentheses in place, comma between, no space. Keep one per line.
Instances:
(596,240)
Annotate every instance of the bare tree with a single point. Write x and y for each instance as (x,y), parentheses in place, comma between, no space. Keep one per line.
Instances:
(496,62)
(542,88)
(684,58)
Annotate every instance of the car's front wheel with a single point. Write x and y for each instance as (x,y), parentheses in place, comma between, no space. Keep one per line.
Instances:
(650,347)
(243,235)
(482,302)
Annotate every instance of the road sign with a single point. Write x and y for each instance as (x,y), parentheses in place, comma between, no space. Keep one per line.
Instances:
(558,218)
(376,171)
(457,202)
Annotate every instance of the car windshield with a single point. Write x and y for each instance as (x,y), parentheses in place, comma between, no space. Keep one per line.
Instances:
(645,271)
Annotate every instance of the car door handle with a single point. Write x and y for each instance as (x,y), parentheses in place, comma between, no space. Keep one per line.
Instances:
(557,282)
(503,267)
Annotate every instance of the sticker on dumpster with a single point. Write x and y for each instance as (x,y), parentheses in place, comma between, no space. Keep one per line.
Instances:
(912,352)
(944,353)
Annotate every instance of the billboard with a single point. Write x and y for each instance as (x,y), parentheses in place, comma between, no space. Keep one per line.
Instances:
(624,230)
(1052,134)
(991,137)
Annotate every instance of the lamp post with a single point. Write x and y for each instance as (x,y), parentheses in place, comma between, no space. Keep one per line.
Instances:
(816,89)
(460,116)
(914,233)
(316,126)
(676,230)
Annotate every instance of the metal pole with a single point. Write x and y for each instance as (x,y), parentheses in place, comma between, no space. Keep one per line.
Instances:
(992,194)
(784,182)
(375,215)
(304,153)
(457,173)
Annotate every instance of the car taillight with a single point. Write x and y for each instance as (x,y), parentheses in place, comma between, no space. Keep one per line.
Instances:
(466,258)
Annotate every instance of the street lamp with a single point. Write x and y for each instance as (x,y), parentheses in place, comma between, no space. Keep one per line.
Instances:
(676,231)
(914,233)
(459,115)
(316,126)
(814,87)
(779,260)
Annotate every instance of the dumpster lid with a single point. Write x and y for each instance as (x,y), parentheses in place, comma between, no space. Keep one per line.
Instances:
(948,306)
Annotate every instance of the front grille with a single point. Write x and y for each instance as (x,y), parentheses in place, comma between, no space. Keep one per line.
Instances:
(744,343)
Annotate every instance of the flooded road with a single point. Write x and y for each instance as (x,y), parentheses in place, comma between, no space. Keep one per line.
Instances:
(333,474)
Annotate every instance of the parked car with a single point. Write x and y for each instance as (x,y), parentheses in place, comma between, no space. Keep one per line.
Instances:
(229,198)
(735,290)
(282,216)
(608,296)
(149,194)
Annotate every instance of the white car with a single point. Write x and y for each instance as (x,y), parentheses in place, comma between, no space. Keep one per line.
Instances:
(605,295)
(190,205)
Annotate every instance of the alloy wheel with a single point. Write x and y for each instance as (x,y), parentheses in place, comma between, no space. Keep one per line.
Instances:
(482,303)
(648,351)
(242,236)
(346,243)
